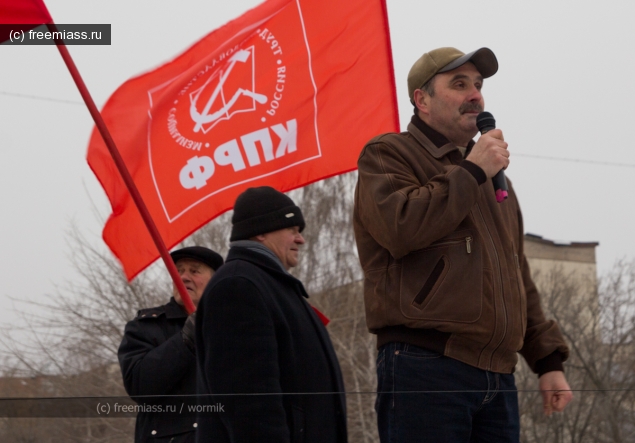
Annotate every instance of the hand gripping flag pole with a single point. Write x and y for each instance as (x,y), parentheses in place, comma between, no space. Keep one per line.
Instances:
(297,113)
(123,170)
(269,98)
(35,12)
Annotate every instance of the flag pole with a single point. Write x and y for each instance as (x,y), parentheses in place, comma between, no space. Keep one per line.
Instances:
(123,170)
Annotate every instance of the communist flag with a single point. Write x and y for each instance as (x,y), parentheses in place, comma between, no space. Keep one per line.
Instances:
(22,12)
(285,95)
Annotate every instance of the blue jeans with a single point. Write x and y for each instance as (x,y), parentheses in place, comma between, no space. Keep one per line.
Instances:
(426,397)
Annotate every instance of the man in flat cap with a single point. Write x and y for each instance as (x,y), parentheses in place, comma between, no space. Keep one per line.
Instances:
(264,357)
(447,286)
(157,353)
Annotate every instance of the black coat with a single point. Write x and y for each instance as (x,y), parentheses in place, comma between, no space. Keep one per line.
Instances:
(155,361)
(257,335)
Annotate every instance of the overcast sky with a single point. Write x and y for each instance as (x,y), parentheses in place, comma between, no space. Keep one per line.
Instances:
(564,90)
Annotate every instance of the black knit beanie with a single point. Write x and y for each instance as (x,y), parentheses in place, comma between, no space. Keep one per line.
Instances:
(261,210)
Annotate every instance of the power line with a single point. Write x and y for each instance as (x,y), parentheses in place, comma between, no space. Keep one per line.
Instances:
(36,97)
(540,157)
(575,160)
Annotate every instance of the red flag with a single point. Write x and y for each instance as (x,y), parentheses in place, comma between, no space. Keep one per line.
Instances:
(23,12)
(285,95)
(32,12)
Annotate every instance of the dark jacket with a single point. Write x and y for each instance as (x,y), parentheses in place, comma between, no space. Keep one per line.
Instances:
(444,263)
(155,361)
(257,335)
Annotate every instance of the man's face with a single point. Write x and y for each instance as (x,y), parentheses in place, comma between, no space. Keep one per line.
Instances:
(456,102)
(285,243)
(195,276)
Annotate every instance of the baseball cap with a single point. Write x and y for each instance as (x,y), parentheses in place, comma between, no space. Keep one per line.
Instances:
(446,59)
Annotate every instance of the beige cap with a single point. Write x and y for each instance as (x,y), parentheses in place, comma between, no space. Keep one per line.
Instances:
(446,59)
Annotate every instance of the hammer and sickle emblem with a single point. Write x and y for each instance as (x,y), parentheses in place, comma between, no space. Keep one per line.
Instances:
(204,116)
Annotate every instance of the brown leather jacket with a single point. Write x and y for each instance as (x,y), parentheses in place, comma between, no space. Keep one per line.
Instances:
(443,261)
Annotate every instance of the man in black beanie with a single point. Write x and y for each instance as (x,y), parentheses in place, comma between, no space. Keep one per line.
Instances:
(258,337)
(156,354)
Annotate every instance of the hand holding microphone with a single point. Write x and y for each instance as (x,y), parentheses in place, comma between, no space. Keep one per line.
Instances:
(490,154)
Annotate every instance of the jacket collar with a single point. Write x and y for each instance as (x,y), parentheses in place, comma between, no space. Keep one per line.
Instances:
(435,143)
(171,310)
(174,310)
(435,137)
(263,261)
(260,248)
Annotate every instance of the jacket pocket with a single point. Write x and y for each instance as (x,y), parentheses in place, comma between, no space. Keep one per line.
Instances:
(443,282)
(299,424)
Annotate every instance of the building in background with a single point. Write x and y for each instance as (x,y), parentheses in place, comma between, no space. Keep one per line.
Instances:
(545,255)
(552,263)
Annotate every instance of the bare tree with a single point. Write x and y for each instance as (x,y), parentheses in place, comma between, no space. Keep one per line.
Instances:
(599,325)
(74,339)
(71,346)
(330,270)
(73,342)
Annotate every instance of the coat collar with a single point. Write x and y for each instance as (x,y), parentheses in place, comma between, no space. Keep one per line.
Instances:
(260,248)
(171,310)
(436,152)
(265,263)
(174,310)
(435,143)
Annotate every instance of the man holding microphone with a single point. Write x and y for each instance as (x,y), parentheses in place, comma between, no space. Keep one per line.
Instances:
(447,286)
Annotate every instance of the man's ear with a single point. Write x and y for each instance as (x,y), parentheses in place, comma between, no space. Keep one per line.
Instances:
(421,99)
(259,238)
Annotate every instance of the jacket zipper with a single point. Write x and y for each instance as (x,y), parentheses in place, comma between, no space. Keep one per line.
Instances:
(500,279)
(520,294)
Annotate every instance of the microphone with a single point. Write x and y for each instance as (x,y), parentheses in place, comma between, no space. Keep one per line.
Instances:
(485,122)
